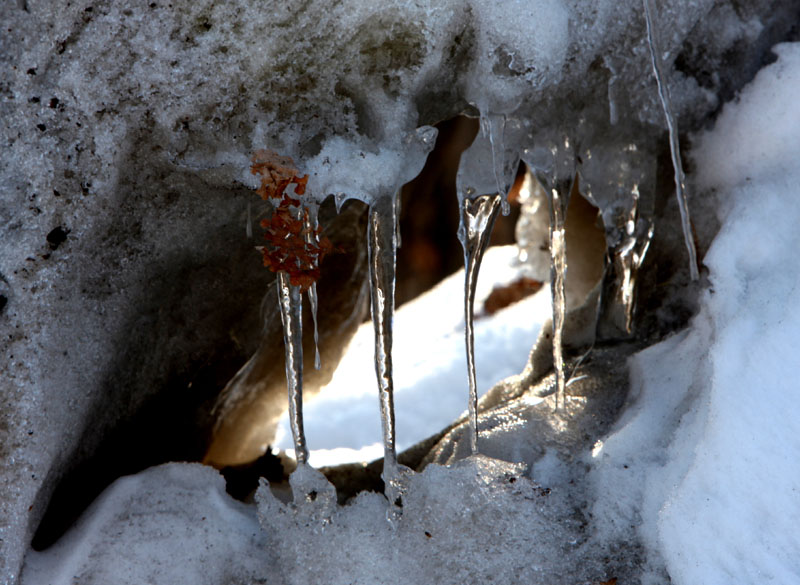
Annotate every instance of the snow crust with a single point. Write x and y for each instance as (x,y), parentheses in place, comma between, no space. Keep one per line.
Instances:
(169,524)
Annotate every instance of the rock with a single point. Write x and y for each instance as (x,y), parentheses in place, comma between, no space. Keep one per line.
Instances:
(127,286)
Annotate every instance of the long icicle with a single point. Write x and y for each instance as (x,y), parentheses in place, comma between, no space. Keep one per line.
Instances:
(382,247)
(313,301)
(674,146)
(311,224)
(477,220)
(291,304)
(555,170)
(559,199)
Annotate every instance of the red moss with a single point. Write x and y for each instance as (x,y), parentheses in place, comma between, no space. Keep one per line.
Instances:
(292,245)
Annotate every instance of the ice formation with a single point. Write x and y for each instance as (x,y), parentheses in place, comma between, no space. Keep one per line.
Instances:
(127,132)
(291,303)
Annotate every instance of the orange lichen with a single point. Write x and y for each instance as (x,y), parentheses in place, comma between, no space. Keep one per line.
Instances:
(293,246)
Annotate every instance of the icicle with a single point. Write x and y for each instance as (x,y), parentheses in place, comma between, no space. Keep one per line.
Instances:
(396,212)
(555,168)
(382,247)
(338,200)
(313,301)
(504,164)
(311,225)
(291,304)
(485,175)
(477,219)
(628,236)
(674,147)
(558,273)
(618,179)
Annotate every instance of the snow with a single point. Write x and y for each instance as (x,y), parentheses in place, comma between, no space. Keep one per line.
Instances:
(702,465)
(160,106)
(740,489)
(431,390)
(170,524)
(713,439)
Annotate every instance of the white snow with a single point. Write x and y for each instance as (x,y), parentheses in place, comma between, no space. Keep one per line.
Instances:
(342,422)
(712,443)
(703,465)
(171,524)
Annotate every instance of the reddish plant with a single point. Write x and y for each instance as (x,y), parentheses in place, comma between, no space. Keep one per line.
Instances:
(293,246)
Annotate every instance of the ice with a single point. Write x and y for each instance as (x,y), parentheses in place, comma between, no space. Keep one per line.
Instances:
(674,146)
(385,173)
(477,220)
(554,164)
(291,304)
(428,371)
(382,246)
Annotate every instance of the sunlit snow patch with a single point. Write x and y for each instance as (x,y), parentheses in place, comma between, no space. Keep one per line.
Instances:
(430,366)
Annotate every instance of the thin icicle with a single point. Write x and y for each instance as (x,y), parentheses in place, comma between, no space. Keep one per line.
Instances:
(477,219)
(555,168)
(674,147)
(397,208)
(311,224)
(558,273)
(382,246)
(313,301)
(291,304)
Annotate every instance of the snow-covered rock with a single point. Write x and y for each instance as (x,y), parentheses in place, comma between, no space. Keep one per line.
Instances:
(127,130)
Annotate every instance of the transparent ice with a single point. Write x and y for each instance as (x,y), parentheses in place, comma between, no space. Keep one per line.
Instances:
(485,175)
(554,165)
(291,305)
(674,146)
(311,225)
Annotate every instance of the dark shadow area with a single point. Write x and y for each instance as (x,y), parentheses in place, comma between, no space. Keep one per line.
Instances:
(430,250)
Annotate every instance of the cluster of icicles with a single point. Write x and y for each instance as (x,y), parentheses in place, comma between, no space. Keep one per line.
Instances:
(486,174)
